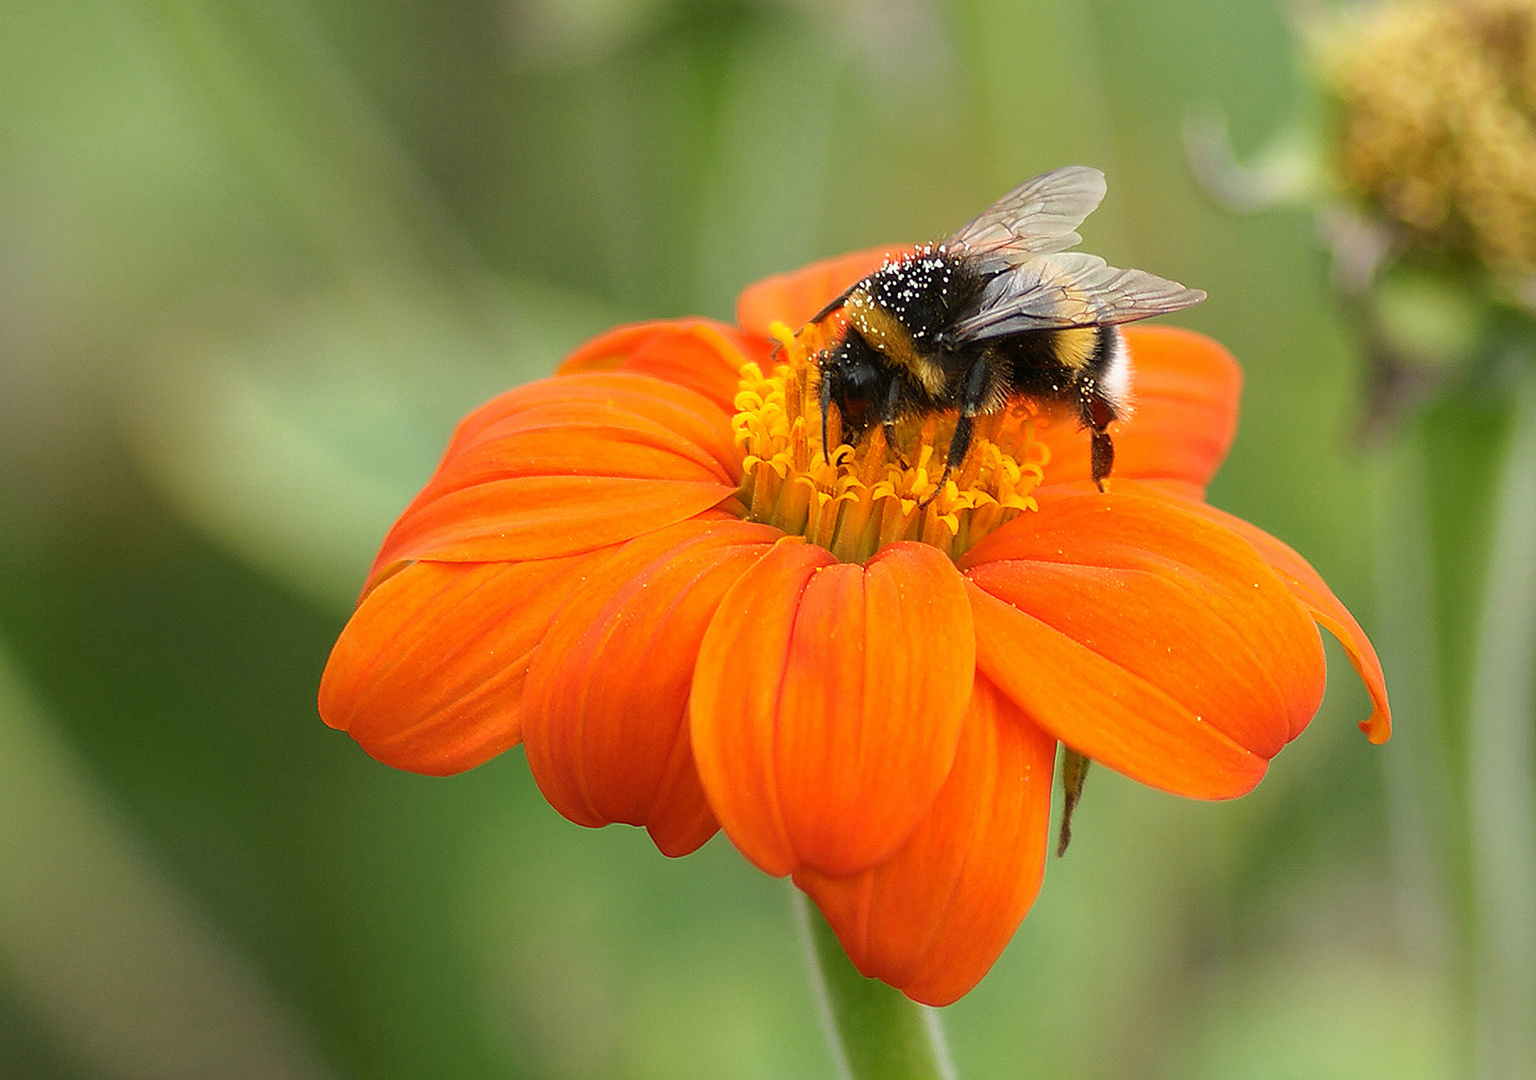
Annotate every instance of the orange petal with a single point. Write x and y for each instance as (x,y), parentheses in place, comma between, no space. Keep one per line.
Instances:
(701,354)
(827,703)
(428,674)
(934,918)
(538,517)
(636,406)
(1185,389)
(568,465)
(1146,637)
(608,350)
(605,712)
(794,298)
(1313,592)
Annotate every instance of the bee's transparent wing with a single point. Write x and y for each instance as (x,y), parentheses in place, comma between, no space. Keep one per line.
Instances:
(1066,290)
(1038,217)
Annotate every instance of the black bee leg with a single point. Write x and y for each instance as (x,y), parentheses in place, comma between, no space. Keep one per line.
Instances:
(1103,458)
(889,427)
(1097,414)
(826,407)
(959,444)
(888,421)
(971,398)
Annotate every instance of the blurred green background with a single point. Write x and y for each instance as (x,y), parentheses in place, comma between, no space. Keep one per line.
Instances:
(256,256)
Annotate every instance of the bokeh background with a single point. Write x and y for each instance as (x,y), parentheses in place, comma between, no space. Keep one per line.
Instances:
(256,257)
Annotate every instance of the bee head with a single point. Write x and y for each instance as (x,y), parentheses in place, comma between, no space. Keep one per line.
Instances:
(853,377)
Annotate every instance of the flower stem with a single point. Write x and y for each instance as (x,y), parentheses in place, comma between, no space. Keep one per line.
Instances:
(877,1032)
(1501,764)
(1420,793)
(1457,613)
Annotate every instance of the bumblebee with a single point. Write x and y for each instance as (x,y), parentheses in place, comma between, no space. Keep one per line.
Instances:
(997,312)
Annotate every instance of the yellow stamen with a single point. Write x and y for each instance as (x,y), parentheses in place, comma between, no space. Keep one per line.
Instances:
(857,499)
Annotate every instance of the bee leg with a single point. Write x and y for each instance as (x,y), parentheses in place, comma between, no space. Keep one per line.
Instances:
(971,399)
(1103,458)
(959,443)
(888,421)
(889,427)
(826,406)
(1097,414)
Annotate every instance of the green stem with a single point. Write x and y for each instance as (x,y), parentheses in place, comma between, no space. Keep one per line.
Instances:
(877,1032)
(1501,779)
(1420,795)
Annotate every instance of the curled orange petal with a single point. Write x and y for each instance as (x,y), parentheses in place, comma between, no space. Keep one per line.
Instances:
(933,918)
(605,710)
(1147,638)
(428,674)
(1314,593)
(827,703)
(1185,390)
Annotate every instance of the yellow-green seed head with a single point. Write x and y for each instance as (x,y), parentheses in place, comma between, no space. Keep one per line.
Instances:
(1437,122)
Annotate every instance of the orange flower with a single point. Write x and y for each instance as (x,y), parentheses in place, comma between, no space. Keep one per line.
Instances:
(647,571)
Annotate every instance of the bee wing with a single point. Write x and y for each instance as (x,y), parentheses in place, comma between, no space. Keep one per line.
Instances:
(1066,290)
(1038,217)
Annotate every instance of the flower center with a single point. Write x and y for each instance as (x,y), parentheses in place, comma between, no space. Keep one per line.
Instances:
(856,499)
